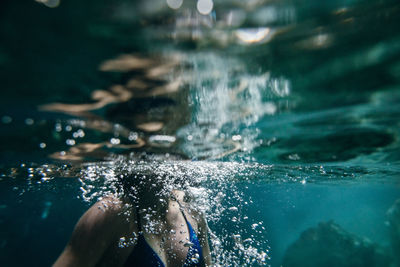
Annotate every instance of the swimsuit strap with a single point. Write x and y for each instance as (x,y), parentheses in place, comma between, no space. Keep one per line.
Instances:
(181,209)
(144,255)
(195,251)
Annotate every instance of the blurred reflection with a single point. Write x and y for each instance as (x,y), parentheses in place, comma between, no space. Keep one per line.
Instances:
(116,94)
(146,102)
(86,151)
(227,102)
(125,63)
(318,41)
(273,14)
(201,104)
(49,3)
(174,4)
(234,17)
(205,6)
(208,22)
(151,126)
(251,36)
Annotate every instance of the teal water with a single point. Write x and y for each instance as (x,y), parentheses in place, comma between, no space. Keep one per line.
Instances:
(285,113)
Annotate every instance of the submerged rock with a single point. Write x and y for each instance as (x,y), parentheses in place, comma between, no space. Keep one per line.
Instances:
(394,229)
(328,244)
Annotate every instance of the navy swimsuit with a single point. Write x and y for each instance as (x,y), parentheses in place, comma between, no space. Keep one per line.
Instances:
(144,256)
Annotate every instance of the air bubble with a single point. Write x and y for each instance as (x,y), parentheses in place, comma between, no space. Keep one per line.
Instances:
(115,141)
(205,6)
(209,193)
(6,119)
(237,237)
(70,142)
(79,134)
(122,242)
(254,226)
(132,136)
(188,244)
(58,127)
(29,121)
(236,138)
(195,259)
(233,209)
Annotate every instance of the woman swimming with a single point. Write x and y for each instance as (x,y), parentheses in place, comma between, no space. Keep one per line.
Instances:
(148,225)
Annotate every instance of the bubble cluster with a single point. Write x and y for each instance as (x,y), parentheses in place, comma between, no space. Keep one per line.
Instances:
(207,189)
(125,242)
(227,101)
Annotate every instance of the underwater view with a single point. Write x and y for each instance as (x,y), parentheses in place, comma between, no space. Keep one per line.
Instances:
(269,129)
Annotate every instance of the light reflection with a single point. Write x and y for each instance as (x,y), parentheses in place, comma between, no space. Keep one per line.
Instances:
(6,119)
(232,98)
(84,151)
(117,94)
(192,20)
(280,86)
(265,15)
(205,6)
(155,80)
(162,140)
(143,102)
(254,35)
(151,126)
(155,89)
(174,4)
(29,121)
(318,41)
(125,63)
(70,142)
(235,17)
(49,3)
(341,11)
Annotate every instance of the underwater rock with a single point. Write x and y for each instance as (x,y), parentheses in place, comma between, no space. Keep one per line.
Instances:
(394,230)
(328,244)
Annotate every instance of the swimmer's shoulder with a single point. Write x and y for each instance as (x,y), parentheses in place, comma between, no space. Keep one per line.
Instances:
(106,210)
(116,212)
(102,215)
(95,232)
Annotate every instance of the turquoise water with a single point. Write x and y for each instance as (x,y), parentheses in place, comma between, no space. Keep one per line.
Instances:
(285,114)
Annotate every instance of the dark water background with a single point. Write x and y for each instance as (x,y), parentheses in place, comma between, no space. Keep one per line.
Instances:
(319,110)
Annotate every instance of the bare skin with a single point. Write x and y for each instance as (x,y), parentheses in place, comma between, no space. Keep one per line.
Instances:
(95,239)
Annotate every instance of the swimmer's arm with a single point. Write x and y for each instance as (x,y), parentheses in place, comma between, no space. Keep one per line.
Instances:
(203,237)
(90,238)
